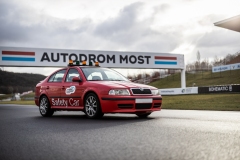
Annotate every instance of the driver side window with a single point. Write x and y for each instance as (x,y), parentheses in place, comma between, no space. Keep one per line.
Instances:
(72,73)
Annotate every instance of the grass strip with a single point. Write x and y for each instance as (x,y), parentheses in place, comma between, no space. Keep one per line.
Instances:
(218,102)
(18,102)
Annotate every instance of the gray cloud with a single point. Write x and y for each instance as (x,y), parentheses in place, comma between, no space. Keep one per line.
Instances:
(18,27)
(161,8)
(123,32)
(117,28)
(218,42)
(128,32)
(10,30)
(23,27)
(219,39)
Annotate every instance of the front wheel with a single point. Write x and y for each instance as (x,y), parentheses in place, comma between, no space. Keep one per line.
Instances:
(92,106)
(45,108)
(143,115)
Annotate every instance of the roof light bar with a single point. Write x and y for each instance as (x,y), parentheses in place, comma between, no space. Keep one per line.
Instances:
(70,62)
(97,64)
(84,63)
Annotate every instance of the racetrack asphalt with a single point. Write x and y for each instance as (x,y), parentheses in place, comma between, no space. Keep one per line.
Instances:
(167,135)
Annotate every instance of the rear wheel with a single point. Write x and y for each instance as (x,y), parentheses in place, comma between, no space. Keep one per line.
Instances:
(45,108)
(92,106)
(143,115)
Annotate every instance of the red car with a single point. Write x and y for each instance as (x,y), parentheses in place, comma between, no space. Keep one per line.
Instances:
(95,91)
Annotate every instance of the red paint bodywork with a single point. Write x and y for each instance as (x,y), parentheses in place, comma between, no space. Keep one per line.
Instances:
(55,91)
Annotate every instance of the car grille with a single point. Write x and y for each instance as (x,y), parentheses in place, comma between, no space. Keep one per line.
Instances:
(143,106)
(141,91)
(125,106)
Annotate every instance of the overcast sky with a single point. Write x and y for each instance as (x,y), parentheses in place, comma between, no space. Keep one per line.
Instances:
(172,26)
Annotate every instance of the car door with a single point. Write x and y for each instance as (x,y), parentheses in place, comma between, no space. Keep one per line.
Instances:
(54,88)
(73,91)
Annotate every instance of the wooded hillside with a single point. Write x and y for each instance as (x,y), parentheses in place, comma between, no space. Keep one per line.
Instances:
(11,82)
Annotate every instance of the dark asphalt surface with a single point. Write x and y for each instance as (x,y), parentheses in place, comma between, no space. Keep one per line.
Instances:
(168,134)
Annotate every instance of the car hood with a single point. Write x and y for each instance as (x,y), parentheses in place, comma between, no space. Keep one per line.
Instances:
(122,84)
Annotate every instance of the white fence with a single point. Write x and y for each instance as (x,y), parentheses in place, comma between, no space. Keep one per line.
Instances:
(177,91)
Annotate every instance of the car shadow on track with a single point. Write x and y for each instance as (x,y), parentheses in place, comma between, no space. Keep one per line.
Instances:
(67,122)
(107,117)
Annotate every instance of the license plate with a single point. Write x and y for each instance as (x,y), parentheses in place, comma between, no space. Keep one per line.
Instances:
(143,100)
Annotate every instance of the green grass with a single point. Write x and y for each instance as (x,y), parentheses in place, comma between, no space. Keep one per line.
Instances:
(18,102)
(10,95)
(219,102)
(200,79)
(24,102)
(5,96)
(29,95)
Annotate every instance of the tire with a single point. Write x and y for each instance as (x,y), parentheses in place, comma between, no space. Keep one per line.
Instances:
(92,106)
(143,115)
(45,107)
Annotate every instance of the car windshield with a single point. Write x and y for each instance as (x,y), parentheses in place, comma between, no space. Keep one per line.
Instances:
(102,74)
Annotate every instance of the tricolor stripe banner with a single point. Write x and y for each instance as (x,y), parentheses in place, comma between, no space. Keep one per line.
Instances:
(18,56)
(165,60)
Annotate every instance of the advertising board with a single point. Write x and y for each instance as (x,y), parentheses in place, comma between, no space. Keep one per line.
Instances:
(42,57)
(177,91)
(220,89)
(226,67)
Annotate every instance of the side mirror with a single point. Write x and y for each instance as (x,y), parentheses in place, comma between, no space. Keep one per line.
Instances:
(76,79)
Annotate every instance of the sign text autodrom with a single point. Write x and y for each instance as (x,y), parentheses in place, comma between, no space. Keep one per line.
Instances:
(101,58)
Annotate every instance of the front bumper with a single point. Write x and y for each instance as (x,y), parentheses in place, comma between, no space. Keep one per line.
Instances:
(130,104)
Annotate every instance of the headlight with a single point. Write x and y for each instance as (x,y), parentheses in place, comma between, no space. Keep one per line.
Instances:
(119,92)
(155,92)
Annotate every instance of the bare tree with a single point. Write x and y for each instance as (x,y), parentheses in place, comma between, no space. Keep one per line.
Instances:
(156,74)
(197,63)
(139,76)
(198,60)
(198,56)
(216,61)
(205,64)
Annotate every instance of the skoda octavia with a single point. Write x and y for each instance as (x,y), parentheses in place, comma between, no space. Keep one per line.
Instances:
(95,91)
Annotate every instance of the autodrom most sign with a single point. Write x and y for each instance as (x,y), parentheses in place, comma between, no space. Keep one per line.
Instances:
(40,57)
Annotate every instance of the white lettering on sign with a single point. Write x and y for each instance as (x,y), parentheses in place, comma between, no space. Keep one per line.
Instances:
(167,91)
(220,88)
(59,102)
(73,102)
(63,102)
(70,90)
